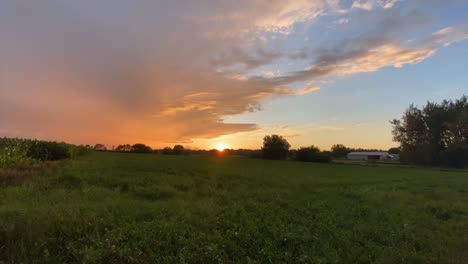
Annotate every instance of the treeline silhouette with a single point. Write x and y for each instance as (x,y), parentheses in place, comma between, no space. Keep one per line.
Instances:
(275,147)
(435,135)
(178,150)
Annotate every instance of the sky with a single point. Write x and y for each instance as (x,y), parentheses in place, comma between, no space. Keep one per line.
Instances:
(202,73)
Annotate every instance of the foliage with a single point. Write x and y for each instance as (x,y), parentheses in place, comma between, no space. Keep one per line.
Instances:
(141,148)
(178,150)
(437,134)
(43,150)
(275,147)
(76,151)
(114,208)
(166,151)
(16,152)
(340,151)
(13,153)
(124,148)
(100,147)
(312,154)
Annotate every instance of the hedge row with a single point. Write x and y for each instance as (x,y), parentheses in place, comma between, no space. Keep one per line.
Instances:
(16,152)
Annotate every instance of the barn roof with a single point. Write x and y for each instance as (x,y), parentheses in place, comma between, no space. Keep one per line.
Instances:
(369,153)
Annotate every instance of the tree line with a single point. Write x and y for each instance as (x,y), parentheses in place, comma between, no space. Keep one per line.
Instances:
(275,147)
(435,135)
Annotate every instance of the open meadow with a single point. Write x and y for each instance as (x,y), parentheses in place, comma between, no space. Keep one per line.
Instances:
(136,208)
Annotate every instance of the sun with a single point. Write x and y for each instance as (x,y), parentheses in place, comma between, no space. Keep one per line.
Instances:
(221,147)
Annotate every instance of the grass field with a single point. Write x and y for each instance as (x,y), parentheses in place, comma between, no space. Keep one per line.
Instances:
(130,208)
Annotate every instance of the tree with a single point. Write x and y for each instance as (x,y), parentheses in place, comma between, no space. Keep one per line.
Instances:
(340,151)
(178,150)
(124,148)
(312,154)
(167,151)
(141,148)
(275,147)
(437,134)
(100,147)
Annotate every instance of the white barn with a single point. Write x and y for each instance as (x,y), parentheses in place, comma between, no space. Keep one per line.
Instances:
(374,155)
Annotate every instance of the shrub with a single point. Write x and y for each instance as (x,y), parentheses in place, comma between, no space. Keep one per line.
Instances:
(167,151)
(178,150)
(100,147)
(124,148)
(312,154)
(456,157)
(43,150)
(76,151)
(141,148)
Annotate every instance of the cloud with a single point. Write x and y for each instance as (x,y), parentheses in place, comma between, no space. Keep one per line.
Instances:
(241,58)
(449,35)
(306,90)
(382,56)
(151,71)
(342,21)
(367,59)
(371,4)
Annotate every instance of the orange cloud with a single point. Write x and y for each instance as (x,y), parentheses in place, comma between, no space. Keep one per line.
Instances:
(131,71)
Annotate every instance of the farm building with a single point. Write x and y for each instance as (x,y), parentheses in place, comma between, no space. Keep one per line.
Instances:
(369,156)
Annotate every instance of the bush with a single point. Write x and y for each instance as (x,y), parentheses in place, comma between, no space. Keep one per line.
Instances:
(167,151)
(456,157)
(312,154)
(100,147)
(76,151)
(141,148)
(42,150)
(124,148)
(178,150)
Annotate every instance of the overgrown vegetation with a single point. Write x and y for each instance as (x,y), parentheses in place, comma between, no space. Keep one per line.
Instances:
(15,152)
(435,135)
(122,208)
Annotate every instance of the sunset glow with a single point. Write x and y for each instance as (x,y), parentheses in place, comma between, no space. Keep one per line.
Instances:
(221,147)
(317,72)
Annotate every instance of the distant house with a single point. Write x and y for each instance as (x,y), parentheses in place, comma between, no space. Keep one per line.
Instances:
(375,155)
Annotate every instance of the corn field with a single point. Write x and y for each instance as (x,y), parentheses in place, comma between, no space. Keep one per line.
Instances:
(16,152)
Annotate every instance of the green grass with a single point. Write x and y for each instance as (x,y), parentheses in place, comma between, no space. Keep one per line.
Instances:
(130,208)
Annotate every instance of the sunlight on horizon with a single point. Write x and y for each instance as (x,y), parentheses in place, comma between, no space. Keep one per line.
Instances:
(221,146)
